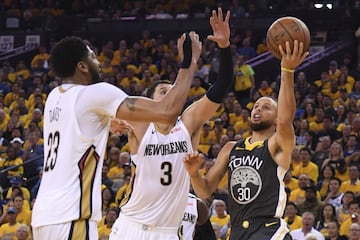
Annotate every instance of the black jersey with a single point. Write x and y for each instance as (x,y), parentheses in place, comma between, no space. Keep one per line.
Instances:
(256,186)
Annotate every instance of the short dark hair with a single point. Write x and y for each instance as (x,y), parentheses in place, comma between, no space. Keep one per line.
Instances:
(66,54)
(151,90)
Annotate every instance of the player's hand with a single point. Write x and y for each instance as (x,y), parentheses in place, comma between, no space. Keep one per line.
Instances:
(196,47)
(193,162)
(292,60)
(220,27)
(120,127)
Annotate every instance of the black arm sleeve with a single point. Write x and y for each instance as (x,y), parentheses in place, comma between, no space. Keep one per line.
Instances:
(187,52)
(225,79)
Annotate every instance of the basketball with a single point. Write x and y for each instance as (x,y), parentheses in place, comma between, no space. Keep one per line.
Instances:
(286,29)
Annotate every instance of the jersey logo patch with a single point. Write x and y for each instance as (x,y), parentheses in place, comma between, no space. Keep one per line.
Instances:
(245,184)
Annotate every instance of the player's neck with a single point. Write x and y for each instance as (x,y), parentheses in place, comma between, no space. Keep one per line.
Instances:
(261,135)
(163,128)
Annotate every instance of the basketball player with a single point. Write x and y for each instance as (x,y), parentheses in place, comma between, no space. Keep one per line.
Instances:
(196,213)
(76,129)
(257,165)
(156,198)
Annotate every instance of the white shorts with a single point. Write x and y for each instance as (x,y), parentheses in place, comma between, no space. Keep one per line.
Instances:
(76,230)
(124,228)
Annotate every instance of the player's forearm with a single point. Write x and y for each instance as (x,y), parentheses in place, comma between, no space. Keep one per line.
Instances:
(200,186)
(286,100)
(175,99)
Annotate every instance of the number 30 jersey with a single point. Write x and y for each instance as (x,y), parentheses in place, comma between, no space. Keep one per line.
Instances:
(159,189)
(76,129)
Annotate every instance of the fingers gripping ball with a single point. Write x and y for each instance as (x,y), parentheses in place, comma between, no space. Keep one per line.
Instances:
(286,29)
(187,52)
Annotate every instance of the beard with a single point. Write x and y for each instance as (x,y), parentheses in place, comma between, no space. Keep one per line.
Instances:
(260,126)
(95,75)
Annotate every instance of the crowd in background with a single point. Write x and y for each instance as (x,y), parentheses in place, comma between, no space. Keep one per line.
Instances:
(323,182)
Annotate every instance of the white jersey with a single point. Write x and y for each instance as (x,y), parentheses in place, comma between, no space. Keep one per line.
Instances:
(190,217)
(158,193)
(76,129)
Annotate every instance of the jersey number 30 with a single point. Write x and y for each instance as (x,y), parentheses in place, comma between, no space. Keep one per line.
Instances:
(53,144)
(166,168)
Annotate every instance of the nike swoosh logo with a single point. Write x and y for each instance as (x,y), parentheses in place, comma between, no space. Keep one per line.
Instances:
(270,224)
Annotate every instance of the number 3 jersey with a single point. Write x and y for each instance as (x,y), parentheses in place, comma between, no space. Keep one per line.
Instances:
(76,129)
(256,185)
(159,189)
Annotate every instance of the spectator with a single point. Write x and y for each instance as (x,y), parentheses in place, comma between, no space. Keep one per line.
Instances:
(307,167)
(244,81)
(105,180)
(343,211)
(8,230)
(354,231)
(334,196)
(306,228)
(33,158)
(328,214)
(22,232)
(353,184)
(337,161)
(354,212)
(327,173)
(221,217)
(110,217)
(333,231)
(311,203)
(291,216)
(23,213)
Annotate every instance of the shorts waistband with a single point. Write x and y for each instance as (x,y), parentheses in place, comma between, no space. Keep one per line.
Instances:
(147,227)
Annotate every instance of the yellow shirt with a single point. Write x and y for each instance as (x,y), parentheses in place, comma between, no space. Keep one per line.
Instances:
(104,232)
(316,127)
(19,171)
(116,172)
(193,92)
(311,170)
(295,224)
(293,184)
(43,56)
(347,186)
(24,216)
(344,228)
(265,92)
(220,221)
(209,139)
(241,126)
(26,194)
(298,195)
(243,76)
(7,231)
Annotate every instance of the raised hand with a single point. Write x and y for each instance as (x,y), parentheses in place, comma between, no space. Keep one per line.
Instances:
(193,162)
(220,27)
(120,127)
(196,46)
(292,59)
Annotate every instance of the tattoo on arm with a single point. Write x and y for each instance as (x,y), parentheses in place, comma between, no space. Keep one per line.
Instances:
(130,103)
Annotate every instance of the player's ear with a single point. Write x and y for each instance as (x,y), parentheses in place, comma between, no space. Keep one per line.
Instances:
(82,66)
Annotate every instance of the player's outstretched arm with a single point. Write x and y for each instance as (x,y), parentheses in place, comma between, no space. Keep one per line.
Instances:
(203,109)
(284,138)
(168,109)
(204,187)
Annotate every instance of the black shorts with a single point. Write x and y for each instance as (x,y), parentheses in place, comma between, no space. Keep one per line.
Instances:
(258,229)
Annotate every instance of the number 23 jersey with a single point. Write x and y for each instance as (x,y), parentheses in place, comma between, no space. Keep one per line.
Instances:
(159,189)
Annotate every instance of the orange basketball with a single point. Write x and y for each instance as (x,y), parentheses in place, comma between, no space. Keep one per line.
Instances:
(286,29)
